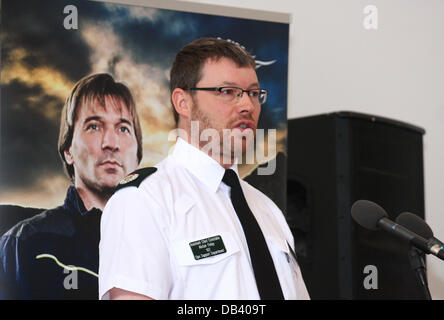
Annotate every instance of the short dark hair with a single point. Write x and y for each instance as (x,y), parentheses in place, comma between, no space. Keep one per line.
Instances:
(187,66)
(93,89)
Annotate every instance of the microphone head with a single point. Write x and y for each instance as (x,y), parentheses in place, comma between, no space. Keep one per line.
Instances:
(414,223)
(367,214)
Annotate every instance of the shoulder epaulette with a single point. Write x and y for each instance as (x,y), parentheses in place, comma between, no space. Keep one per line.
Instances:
(135,178)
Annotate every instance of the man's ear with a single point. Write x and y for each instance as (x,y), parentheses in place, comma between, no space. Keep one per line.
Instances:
(68,157)
(182,102)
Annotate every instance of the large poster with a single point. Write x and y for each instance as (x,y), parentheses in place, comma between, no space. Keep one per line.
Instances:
(48,45)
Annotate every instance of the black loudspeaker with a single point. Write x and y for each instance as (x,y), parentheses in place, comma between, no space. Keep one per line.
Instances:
(333,160)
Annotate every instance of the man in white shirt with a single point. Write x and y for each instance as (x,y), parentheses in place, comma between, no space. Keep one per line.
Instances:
(176,234)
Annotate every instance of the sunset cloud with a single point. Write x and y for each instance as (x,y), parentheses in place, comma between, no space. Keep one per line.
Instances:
(52,82)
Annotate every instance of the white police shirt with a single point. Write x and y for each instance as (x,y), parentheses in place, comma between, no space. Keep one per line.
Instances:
(155,238)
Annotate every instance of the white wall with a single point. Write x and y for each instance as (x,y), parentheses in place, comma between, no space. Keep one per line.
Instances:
(396,71)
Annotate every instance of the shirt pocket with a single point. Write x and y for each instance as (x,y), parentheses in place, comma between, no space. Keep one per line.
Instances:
(185,257)
(213,277)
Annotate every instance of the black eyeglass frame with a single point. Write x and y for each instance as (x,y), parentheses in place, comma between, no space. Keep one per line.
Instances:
(219,89)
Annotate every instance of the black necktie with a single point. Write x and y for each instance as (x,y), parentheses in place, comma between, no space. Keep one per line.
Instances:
(266,277)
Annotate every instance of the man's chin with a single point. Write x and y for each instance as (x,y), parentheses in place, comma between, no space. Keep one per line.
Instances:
(242,146)
(106,189)
(109,182)
(240,153)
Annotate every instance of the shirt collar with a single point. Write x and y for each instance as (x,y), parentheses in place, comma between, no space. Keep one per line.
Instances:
(74,204)
(201,165)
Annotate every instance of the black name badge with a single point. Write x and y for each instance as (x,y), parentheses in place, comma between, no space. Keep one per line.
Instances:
(207,247)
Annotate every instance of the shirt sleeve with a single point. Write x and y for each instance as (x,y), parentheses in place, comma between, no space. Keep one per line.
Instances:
(133,254)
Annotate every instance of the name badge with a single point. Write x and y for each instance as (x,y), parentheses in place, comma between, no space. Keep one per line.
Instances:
(207,247)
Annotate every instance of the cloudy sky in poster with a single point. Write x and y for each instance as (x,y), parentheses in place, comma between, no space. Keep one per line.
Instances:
(41,61)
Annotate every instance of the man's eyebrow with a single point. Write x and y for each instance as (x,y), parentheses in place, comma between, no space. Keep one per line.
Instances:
(234,84)
(123,120)
(92,118)
(98,118)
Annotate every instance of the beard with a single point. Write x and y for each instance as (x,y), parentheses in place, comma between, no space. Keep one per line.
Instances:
(227,144)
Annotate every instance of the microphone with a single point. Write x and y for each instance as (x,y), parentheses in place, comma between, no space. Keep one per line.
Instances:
(416,257)
(373,217)
(416,224)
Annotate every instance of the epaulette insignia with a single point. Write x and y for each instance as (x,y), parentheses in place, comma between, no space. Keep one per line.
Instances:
(135,178)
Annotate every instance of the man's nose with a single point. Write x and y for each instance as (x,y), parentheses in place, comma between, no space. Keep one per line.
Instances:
(245,104)
(110,140)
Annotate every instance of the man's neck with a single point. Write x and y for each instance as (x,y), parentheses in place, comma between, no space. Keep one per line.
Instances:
(91,199)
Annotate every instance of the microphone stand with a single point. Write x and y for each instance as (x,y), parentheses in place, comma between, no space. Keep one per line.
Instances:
(416,258)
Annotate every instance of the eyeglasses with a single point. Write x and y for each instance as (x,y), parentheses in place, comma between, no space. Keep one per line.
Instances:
(234,94)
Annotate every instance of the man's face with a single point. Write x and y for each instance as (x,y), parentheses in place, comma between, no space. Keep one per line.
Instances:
(211,111)
(104,146)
